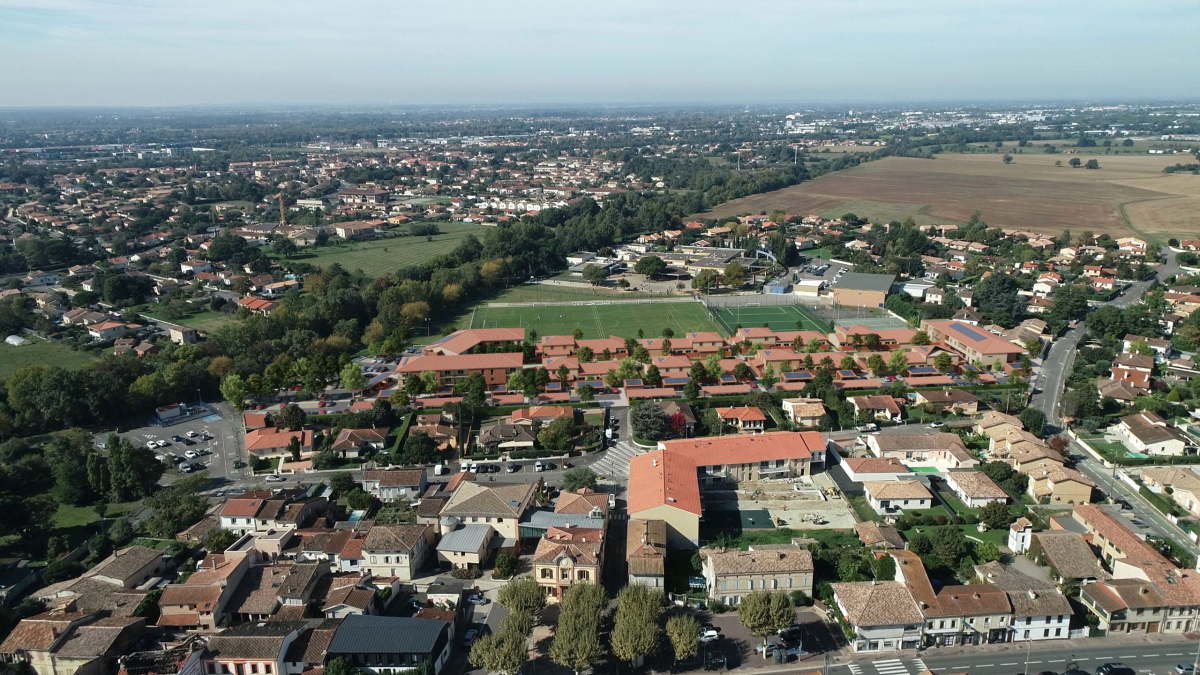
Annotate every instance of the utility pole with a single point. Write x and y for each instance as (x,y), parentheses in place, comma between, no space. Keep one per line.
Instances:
(1027,643)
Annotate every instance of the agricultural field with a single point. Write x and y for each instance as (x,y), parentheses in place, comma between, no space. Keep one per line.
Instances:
(383,256)
(41,353)
(1129,193)
(623,319)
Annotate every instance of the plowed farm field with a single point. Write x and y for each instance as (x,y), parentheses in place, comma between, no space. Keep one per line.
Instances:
(1127,193)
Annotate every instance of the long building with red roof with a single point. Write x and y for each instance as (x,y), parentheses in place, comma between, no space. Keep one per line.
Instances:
(665,484)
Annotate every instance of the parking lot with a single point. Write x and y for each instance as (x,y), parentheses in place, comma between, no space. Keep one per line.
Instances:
(209,442)
(810,638)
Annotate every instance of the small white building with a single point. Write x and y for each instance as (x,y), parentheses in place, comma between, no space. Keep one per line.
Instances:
(890,497)
(1020,534)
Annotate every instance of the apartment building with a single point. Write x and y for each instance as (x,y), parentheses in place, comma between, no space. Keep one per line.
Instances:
(730,574)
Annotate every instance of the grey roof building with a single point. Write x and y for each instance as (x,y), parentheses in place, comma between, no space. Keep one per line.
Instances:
(377,642)
(860,281)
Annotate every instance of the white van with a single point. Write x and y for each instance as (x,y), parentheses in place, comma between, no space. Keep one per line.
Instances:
(439,469)
(538,466)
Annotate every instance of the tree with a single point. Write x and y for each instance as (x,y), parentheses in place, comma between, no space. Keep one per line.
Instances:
(291,416)
(943,362)
(635,628)
(652,377)
(648,421)
(342,482)
(683,631)
(1008,158)
(218,540)
(734,275)
(503,652)
(133,471)
(765,612)
(522,595)
(359,499)
(558,435)
(650,265)
(579,478)
(418,448)
(920,338)
(1034,420)
(339,666)
(1092,164)
(234,389)
(594,274)
(352,377)
(505,566)
(706,280)
(576,638)
(1075,162)
(995,515)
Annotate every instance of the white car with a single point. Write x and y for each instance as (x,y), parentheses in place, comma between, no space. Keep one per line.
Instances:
(191,454)
(275,478)
(191,434)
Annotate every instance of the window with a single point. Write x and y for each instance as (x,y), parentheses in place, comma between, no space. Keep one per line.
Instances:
(583,575)
(1046,632)
(1057,632)
(547,573)
(254,668)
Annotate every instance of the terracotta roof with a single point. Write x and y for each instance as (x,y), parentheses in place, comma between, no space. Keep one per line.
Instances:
(976,485)
(583,545)
(871,603)
(497,501)
(502,360)
(743,414)
(896,489)
(660,477)
(872,534)
(874,465)
(403,537)
(754,561)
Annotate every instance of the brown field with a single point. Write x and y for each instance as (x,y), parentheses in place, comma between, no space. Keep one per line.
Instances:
(1031,193)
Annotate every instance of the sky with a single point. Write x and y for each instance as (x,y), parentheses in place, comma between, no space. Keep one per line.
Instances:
(187,52)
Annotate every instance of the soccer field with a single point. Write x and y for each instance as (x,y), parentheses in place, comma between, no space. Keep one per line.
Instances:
(595,321)
(775,317)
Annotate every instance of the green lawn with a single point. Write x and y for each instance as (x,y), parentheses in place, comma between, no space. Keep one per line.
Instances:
(206,321)
(74,516)
(955,503)
(41,353)
(597,321)
(545,293)
(863,509)
(827,538)
(997,537)
(382,256)
(775,317)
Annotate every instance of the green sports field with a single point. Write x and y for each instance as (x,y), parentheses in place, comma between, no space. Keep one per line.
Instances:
(596,321)
(775,317)
(377,257)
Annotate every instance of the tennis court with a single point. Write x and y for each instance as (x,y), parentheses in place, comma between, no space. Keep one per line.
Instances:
(775,317)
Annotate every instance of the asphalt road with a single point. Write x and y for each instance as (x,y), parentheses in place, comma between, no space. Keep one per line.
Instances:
(1145,658)
(1052,375)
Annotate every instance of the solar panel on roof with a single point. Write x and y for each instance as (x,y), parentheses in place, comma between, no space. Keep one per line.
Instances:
(969,332)
(922,370)
(847,373)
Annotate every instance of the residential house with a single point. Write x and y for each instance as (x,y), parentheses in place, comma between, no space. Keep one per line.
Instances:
(731,574)
(390,485)
(893,496)
(1181,483)
(804,412)
(493,367)
(877,406)
(978,346)
(352,443)
(566,556)
(958,401)
(1135,370)
(397,550)
(975,489)
(883,615)
(502,437)
(252,648)
(945,451)
(744,419)
(1147,433)
(270,442)
(646,552)
(501,506)
(69,642)
(468,547)
(1068,556)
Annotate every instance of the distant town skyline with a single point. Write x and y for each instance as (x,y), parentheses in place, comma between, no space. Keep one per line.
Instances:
(148,52)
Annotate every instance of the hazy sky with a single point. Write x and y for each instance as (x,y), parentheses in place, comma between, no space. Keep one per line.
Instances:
(171,52)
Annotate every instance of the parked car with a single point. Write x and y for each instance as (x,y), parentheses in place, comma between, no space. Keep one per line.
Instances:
(1115,669)
(936,425)
(275,478)
(191,454)
(191,434)
(478,599)
(512,468)
(1185,669)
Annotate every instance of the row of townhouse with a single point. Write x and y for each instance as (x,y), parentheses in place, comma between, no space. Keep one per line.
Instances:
(907,612)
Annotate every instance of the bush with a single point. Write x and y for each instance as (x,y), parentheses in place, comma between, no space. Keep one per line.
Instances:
(466,573)
(800,599)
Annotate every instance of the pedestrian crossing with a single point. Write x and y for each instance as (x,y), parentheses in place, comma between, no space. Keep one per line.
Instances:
(890,667)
